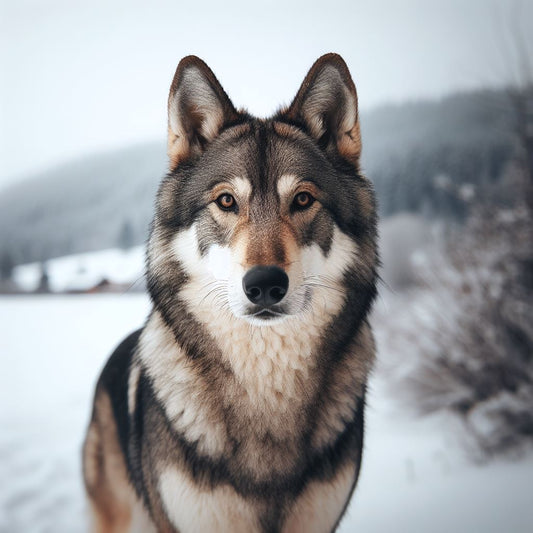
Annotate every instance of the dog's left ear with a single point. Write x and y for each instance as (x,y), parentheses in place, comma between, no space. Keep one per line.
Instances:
(198,108)
(326,104)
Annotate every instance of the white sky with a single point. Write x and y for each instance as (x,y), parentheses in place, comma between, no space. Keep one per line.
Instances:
(76,77)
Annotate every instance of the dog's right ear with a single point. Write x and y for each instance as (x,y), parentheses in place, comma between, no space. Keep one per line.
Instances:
(198,108)
(327,105)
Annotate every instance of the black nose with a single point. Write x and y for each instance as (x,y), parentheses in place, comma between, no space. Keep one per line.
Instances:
(265,285)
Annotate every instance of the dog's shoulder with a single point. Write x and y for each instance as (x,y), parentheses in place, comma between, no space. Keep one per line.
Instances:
(114,380)
(114,376)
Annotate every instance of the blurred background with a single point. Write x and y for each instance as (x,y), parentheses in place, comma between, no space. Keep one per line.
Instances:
(446,99)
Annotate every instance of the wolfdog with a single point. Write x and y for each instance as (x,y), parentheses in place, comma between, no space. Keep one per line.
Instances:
(239,405)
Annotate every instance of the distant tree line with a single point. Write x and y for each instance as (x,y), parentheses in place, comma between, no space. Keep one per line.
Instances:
(428,151)
(426,179)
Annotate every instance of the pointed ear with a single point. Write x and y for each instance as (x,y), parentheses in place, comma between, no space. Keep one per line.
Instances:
(198,108)
(327,106)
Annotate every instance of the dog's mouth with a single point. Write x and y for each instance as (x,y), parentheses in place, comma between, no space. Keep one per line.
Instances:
(266,313)
(274,314)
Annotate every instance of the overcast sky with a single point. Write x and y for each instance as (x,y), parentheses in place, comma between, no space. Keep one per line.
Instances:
(77,77)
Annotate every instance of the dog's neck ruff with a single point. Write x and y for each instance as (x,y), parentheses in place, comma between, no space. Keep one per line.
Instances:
(271,362)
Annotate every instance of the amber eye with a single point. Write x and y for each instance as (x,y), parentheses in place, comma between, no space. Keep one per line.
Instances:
(303,200)
(226,202)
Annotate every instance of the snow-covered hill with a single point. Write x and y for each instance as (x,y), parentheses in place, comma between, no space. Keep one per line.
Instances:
(81,272)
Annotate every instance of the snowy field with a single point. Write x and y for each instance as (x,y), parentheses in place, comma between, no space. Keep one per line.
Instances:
(414,477)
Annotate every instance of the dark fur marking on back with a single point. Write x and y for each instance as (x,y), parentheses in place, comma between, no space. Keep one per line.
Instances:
(114,380)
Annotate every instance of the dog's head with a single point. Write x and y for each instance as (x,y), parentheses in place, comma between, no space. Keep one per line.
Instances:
(265,218)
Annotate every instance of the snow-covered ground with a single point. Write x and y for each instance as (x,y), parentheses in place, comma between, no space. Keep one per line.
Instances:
(415,477)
